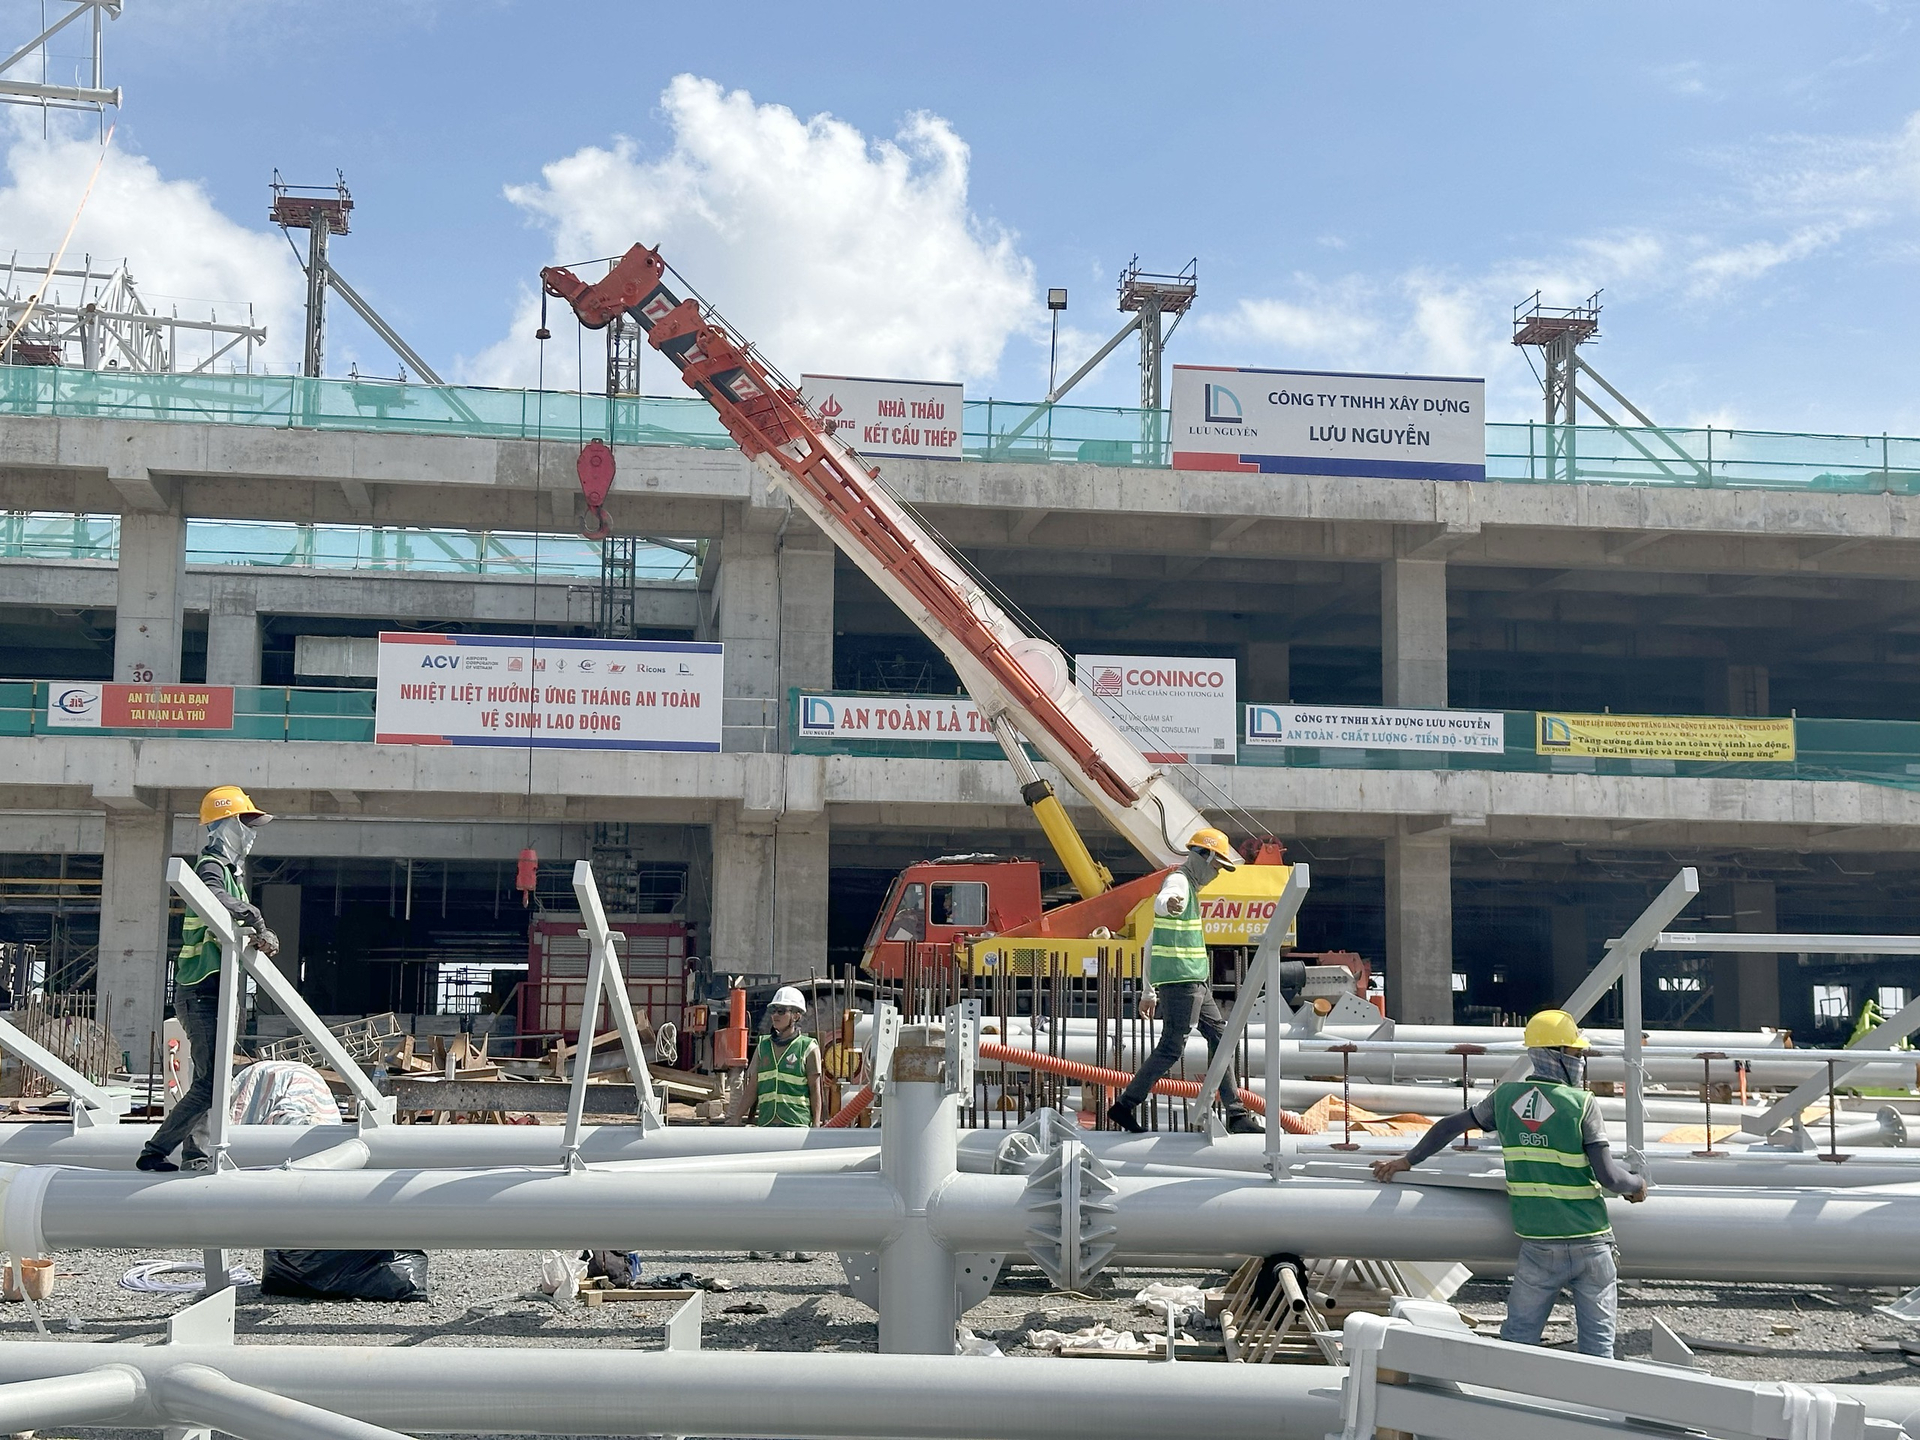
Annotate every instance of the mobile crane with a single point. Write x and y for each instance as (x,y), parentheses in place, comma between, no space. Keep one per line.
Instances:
(1022,684)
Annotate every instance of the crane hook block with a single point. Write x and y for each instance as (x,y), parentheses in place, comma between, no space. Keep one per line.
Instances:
(595,469)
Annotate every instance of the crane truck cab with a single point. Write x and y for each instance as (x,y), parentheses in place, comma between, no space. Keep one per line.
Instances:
(988,910)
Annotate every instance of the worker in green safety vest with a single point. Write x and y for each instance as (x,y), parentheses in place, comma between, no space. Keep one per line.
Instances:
(1179,985)
(230,820)
(786,1085)
(1554,1145)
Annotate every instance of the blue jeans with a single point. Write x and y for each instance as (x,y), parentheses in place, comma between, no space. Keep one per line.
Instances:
(1545,1268)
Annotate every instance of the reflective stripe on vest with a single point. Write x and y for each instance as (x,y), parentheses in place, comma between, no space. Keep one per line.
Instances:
(1550,1185)
(782,1097)
(199,953)
(1179,954)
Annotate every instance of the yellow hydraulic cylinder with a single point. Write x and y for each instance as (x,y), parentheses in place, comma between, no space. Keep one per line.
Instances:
(1089,876)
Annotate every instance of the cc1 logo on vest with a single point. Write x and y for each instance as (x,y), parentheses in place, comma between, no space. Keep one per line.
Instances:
(1533,1110)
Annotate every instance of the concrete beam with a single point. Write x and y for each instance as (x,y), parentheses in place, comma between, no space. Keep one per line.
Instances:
(414,596)
(62,463)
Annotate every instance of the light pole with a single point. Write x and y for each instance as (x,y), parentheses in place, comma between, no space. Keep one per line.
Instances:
(1056,302)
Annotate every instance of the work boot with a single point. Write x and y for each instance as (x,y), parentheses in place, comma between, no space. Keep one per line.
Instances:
(153,1160)
(1240,1122)
(1121,1117)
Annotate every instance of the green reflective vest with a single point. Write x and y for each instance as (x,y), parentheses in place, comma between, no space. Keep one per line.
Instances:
(781,1096)
(1179,954)
(199,954)
(1550,1185)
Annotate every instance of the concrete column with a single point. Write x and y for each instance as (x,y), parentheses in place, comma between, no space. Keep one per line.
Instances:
(774,614)
(133,927)
(1734,689)
(1746,988)
(1420,929)
(233,638)
(1569,957)
(769,894)
(1269,673)
(152,574)
(1413,633)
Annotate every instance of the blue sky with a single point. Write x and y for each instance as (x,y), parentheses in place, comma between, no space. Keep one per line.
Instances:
(1365,186)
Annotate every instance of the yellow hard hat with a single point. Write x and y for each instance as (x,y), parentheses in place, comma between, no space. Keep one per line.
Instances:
(225,800)
(1554,1030)
(1215,844)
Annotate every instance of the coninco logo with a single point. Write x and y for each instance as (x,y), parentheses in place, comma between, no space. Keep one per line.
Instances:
(1533,1109)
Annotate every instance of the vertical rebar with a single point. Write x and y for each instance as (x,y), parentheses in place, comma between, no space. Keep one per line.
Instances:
(1833,1119)
(1345,1052)
(1707,1057)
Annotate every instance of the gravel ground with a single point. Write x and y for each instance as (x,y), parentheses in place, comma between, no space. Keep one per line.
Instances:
(480,1297)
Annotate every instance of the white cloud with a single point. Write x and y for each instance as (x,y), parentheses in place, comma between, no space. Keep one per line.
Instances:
(179,247)
(833,251)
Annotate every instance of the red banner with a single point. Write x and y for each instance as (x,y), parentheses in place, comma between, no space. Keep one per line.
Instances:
(166,707)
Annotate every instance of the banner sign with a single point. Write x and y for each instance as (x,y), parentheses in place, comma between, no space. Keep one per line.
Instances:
(557,694)
(1363,727)
(90,705)
(1665,737)
(889,417)
(1170,707)
(943,718)
(1309,422)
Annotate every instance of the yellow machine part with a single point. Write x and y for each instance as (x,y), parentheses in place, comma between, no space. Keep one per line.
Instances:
(1088,875)
(1234,910)
(1236,906)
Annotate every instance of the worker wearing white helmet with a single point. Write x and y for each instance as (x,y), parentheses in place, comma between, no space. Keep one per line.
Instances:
(786,1085)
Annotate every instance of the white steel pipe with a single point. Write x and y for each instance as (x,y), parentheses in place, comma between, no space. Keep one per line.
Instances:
(736,1393)
(440,1209)
(1389,1062)
(87,1397)
(1832,1236)
(1734,1166)
(918,1146)
(395,1147)
(1825,1236)
(199,1395)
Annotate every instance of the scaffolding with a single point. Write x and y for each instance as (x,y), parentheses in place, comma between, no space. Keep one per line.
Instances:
(1558,335)
(93,317)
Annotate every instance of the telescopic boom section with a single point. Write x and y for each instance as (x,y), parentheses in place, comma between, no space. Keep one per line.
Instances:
(1006,671)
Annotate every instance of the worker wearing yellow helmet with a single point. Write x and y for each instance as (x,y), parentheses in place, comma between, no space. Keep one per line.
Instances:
(230,821)
(1179,984)
(1554,1145)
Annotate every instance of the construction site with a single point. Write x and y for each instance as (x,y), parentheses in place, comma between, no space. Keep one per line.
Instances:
(756,905)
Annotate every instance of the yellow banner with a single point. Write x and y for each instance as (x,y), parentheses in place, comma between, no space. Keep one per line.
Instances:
(1664,737)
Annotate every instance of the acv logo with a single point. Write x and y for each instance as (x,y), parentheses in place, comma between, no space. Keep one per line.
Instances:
(439,662)
(1223,406)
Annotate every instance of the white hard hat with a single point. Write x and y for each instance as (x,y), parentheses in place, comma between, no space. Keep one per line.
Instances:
(787,997)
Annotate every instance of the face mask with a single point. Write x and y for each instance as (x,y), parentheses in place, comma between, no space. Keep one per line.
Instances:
(1559,1066)
(1199,870)
(231,839)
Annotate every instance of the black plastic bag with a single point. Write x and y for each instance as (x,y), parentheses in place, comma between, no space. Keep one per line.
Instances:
(346,1274)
